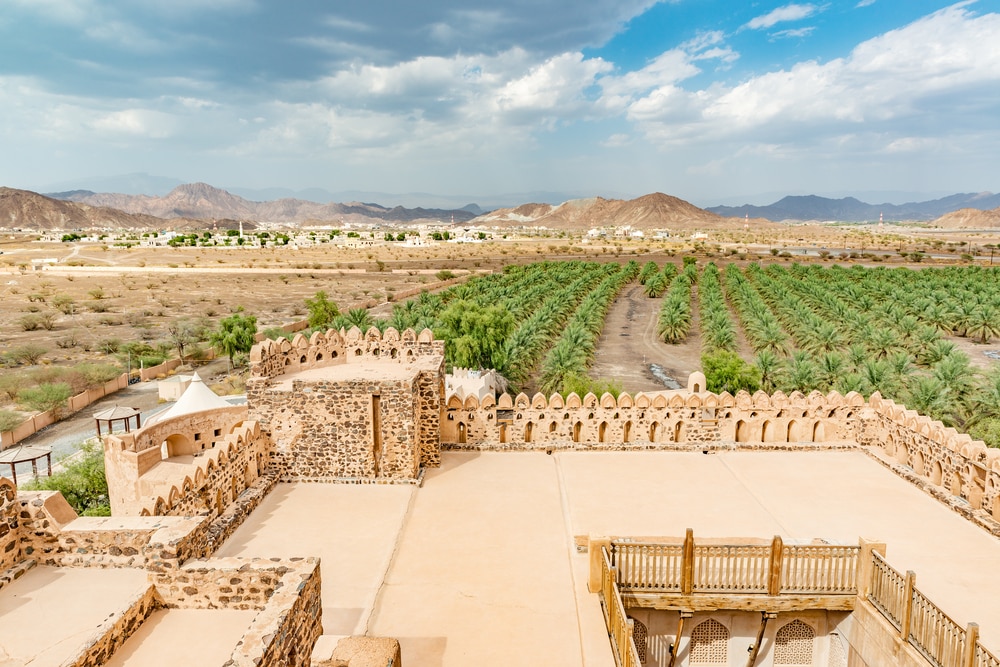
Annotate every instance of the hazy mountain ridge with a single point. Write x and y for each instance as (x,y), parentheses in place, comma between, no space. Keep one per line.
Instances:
(200,200)
(23,209)
(849,209)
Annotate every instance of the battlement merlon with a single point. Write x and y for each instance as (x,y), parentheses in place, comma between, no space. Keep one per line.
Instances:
(272,358)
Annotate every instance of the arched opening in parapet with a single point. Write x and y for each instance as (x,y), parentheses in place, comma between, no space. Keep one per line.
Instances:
(577,431)
(602,432)
(956,484)
(792,435)
(357,352)
(220,502)
(918,463)
(302,359)
(236,487)
(903,455)
(937,473)
(654,432)
(696,388)
(818,432)
(793,644)
(527,431)
(177,445)
(461,432)
(393,353)
(679,432)
(766,432)
(627,432)
(742,431)
(975,493)
(553,427)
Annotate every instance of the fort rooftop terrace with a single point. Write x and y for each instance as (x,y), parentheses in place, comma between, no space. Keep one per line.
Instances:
(481,561)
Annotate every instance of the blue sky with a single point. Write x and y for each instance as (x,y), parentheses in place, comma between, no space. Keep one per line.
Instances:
(708,100)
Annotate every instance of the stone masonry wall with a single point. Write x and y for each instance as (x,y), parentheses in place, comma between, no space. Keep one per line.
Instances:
(116,630)
(286,594)
(959,471)
(661,420)
(10,534)
(324,430)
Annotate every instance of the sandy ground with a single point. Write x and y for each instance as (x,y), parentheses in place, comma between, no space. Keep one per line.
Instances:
(632,354)
(479,563)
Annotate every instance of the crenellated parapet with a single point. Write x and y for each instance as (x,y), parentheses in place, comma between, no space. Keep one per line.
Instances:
(194,464)
(272,358)
(647,420)
(953,464)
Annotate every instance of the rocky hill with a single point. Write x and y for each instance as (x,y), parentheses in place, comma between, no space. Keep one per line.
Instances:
(849,209)
(654,211)
(969,218)
(200,201)
(22,209)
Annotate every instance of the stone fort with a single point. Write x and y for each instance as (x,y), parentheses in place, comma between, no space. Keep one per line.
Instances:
(366,415)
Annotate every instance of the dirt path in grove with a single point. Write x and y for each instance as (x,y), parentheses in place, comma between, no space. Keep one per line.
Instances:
(631,354)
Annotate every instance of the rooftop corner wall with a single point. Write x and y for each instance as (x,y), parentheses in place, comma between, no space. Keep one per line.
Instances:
(959,471)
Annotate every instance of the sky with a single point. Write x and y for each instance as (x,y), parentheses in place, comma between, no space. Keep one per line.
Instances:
(708,100)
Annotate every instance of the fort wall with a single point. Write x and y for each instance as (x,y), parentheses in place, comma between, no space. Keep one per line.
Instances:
(188,480)
(379,422)
(961,472)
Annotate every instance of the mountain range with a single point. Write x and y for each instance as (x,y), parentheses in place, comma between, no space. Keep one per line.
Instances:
(200,201)
(849,209)
(191,206)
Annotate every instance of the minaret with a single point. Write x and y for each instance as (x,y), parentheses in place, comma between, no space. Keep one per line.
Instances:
(241,229)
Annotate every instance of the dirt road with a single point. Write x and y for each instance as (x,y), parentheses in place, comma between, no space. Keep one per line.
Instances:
(631,354)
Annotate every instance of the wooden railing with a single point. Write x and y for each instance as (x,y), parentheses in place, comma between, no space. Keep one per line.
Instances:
(649,567)
(619,624)
(739,569)
(888,590)
(679,569)
(819,569)
(921,623)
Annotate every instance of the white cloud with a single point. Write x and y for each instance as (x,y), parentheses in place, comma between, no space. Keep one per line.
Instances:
(918,74)
(791,12)
(864,3)
(793,32)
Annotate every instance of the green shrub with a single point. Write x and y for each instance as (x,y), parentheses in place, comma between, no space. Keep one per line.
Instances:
(9,419)
(726,371)
(49,396)
(81,482)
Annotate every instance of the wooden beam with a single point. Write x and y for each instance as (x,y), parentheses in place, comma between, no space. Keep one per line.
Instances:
(761,603)
(687,569)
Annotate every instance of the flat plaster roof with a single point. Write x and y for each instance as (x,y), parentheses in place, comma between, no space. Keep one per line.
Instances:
(479,564)
(368,369)
(171,637)
(48,614)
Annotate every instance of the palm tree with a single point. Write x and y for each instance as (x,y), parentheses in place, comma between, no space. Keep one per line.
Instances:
(771,368)
(983,324)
